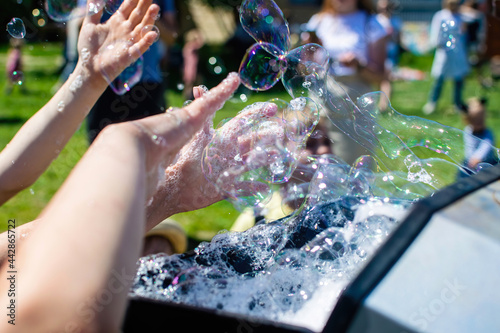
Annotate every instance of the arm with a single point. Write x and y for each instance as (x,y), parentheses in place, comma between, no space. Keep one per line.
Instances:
(92,232)
(43,136)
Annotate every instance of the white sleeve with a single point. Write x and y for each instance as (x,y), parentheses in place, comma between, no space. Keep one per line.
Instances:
(435,30)
(313,23)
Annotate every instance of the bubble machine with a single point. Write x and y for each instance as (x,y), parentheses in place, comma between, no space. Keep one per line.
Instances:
(437,272)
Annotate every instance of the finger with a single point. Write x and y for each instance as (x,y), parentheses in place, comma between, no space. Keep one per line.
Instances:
(176,128)
(149,19)
(214,99)
(139,13)
(136,50)
(94,18)
(127,7)
(198,92)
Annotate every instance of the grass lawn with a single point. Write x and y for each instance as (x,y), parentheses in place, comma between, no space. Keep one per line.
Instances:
(41,63)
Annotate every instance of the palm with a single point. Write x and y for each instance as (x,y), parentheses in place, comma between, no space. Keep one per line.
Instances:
(112,46)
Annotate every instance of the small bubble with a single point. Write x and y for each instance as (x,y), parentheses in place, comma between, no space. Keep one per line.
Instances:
(76,84)
(306,84)
(186,103)
(16,28)
(31,191)
(243,97)
(85,54)
(152,28)
(60,106)
(17,77)
(180,86)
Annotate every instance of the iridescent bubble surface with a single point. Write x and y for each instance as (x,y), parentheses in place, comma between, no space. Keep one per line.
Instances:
(258,148)
(261,67)
(16,28)
(264,21)
(65,10)
(127,79)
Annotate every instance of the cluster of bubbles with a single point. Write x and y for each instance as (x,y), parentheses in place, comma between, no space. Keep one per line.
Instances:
(258,148)
(290,270)
(294,269)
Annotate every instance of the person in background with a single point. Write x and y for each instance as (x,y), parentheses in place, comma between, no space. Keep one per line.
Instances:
(393,26)
(356,42)
(447,35)
(14,65)
(190,54)
(475,22)
(478,151)
(145,98)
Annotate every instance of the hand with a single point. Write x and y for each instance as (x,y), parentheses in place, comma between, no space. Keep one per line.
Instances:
(112,46)
(186,188)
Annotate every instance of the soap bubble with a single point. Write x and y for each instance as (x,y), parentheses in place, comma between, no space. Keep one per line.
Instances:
(112,6)
(264,21)
(123,81)
(16,28)
(127,79)
(258,148)
(261,66)
(149,28)
(65,10)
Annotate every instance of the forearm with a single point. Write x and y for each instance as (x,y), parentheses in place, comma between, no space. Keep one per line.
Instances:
(91,233)
(44,135)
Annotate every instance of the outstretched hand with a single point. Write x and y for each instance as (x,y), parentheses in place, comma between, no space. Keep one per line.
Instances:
(185,187)
(112,46)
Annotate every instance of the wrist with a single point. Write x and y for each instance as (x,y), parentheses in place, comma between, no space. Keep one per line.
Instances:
(90,77)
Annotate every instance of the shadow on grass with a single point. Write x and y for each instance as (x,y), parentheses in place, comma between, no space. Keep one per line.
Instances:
(12,120)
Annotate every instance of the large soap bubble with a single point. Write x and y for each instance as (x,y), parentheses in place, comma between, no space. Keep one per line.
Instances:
(258,148)
(416,150)
(65,10)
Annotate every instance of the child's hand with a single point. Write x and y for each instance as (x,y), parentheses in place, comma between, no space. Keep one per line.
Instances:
(112,46)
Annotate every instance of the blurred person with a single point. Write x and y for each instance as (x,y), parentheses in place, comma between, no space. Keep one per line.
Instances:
(478,151)
(475,22)
(190,54)
(147,97)
(447,35)
(392,25)
(356,42)
(14,65)
(66,265)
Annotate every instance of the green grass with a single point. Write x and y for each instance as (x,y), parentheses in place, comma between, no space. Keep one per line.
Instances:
(42,61)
